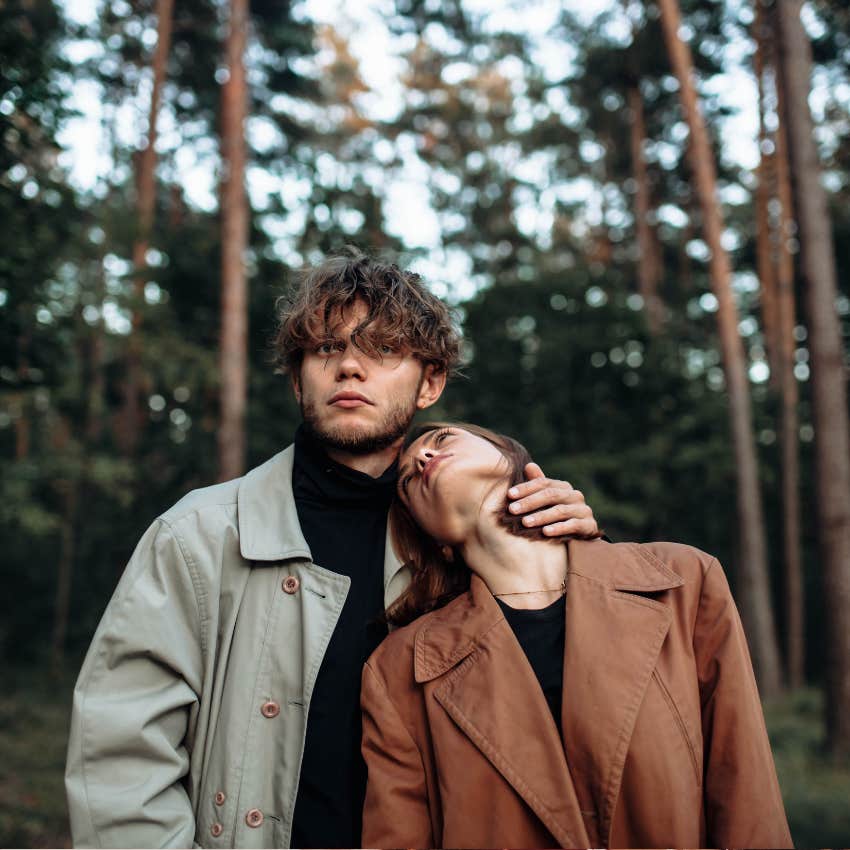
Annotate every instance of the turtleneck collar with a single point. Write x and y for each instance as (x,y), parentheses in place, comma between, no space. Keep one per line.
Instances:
(319,477)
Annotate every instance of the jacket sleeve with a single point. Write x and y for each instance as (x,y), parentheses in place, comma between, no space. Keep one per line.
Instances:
(127,754)
(396,811)
(743,804)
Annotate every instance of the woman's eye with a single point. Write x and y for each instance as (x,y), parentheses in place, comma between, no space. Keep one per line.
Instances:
(441,436)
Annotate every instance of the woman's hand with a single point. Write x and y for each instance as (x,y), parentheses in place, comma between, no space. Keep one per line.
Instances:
(553,504)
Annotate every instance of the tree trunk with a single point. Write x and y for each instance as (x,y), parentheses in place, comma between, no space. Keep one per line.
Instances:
(754,586)
(146,203)
(66,489)
(829,390)
(234,240)
(649,271)
(794,590)
(765,265)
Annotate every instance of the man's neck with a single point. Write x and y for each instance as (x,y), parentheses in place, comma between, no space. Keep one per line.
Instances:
(373,465)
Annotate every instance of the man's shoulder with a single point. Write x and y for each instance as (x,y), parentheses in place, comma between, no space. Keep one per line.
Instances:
(218,502)
(203,500)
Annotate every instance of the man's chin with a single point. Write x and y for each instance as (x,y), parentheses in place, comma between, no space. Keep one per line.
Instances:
(353,438)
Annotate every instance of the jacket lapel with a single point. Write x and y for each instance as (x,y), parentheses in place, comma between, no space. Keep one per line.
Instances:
(516,732)
(614,636)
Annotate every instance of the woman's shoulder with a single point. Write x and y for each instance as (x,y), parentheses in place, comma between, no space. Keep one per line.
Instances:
(641,566)
(396,653)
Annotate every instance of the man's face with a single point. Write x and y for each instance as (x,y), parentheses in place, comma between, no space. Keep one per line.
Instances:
(358,403)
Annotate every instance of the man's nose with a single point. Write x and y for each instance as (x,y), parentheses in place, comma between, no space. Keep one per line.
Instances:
(351,363)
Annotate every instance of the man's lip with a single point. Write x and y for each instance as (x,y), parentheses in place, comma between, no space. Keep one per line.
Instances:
(349,399)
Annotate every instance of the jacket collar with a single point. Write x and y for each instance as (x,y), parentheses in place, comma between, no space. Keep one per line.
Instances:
(453,632)
(268,521)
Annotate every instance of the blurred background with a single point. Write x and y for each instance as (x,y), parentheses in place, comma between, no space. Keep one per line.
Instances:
(639,210)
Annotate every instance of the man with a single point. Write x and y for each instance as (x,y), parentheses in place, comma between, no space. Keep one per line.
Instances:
(219,702)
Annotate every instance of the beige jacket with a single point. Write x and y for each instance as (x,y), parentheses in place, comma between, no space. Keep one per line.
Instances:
(190,712)
(662,738)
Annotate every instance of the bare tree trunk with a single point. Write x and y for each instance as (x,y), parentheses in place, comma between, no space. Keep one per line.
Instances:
(146,203)
(22,423)
(66,490)
(765,265)
(794,590)
(649,271)
(829,376)
(234,242)
(754,585)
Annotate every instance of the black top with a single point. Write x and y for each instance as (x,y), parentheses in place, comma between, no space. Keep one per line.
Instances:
(541,634)
(343,515)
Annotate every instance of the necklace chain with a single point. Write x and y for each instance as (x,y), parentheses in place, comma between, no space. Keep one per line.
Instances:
(561,589)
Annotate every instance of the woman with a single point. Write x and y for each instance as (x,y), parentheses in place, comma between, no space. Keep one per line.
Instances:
(581,695)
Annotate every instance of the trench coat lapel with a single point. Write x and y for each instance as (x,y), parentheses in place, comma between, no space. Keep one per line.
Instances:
(516,733)
(614,633)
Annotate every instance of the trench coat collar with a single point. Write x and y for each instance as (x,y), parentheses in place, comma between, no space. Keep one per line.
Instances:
(269,530)
(614,632)
(453,632)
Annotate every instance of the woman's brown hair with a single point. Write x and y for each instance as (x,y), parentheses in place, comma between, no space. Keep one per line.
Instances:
(435,579)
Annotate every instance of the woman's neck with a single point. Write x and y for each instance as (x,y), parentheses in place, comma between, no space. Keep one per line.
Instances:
(523,572)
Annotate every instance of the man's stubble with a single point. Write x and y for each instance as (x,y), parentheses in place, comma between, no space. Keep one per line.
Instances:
(363,440)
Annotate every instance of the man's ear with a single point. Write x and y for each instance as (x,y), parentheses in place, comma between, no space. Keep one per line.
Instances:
(431,386)
(295,378)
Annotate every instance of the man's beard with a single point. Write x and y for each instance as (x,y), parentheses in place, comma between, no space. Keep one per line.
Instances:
(363,440)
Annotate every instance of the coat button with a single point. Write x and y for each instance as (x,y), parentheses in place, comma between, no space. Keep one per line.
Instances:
(216,829)
(254,818)
(291,584)
(270,709)
(219,798)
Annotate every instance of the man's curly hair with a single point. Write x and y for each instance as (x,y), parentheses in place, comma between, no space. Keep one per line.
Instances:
(400,313)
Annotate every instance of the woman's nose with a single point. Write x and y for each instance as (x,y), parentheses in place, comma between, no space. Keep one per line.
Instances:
(422,457)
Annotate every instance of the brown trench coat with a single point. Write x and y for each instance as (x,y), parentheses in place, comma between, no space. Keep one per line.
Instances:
(664,743)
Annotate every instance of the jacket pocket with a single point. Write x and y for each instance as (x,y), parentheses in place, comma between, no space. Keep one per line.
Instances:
(671,704)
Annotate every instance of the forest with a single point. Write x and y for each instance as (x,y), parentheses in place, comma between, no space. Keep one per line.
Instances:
(639,211)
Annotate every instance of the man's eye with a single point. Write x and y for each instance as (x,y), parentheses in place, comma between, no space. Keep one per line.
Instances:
(386,349)
(326,348)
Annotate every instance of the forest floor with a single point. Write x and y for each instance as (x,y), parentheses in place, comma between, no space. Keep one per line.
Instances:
(33,737)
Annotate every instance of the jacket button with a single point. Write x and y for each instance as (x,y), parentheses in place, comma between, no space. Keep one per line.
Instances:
(216,829)
(270,709)
(291,584)
(254,818)
(219,798)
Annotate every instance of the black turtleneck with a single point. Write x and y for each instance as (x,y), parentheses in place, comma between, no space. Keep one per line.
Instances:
(343,515)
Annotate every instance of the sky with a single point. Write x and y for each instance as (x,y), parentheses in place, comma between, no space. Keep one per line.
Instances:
(408,212)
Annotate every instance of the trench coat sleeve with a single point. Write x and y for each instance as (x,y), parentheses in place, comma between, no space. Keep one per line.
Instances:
(743,804)
(127,756)
(396,811)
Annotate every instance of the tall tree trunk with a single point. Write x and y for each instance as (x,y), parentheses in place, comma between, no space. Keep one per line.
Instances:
(765,265)
(754,585)
(146,203)
(829,389)
(234,242)
(649,270)
(794,590)
(66,489)
(22,423)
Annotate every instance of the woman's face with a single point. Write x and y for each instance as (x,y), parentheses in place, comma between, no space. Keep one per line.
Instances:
(447,478)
